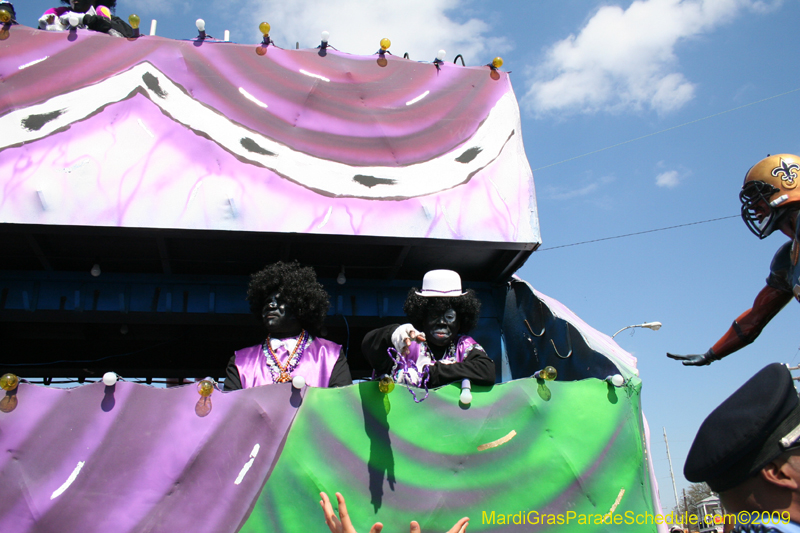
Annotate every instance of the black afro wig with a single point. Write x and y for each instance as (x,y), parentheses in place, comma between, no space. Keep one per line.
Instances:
(299,288)
(467,307)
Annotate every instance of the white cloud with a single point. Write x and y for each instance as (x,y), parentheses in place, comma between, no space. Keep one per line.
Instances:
(625,58)
(419,27)
(668,179)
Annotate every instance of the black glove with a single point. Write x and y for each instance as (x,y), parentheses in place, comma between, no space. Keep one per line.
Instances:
(695,359)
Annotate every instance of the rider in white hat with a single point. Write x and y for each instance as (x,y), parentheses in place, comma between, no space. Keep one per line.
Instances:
(432,350)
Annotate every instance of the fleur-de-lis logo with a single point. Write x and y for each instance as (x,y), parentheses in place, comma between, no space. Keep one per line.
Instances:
(788,173)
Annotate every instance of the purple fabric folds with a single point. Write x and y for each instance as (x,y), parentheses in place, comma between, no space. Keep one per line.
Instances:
(136,458)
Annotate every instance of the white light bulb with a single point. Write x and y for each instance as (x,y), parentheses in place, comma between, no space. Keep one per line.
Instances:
(201,25)
(617,380)
(466,397)
(95,271)
(74,20)
(440,55)
(341,279)
(109,379)
(298,382)
(325,36)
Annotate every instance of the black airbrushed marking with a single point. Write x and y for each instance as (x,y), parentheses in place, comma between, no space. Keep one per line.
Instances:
(251,146)
(371,181)
(469,155)
(152,84)
(36,122)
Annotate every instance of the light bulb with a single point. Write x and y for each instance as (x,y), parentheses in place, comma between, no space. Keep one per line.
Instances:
(466,397)
(385,44)
(548,373)
(9,382)
(264,28)
(74,20)
(95,271)
(205,388)
(325,36)
(5,16)
(440,55)
(386,384)
(298,382)
(201,25)
(497,62)
(341,279)
(617,380)
(134,21)
(109,379)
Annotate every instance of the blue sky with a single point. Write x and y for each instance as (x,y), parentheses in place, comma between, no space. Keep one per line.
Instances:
(700,88)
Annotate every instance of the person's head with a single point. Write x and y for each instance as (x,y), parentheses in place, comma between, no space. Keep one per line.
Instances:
(287,297)
(770,193)
(748,448)
(441,310)
(82,6)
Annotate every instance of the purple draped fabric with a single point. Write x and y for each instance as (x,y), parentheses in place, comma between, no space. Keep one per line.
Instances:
(315,365)
(132,458)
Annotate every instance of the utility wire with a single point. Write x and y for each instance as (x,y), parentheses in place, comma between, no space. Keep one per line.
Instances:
(639,232)
(665,130)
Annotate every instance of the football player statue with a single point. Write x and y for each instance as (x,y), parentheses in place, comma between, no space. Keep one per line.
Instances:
(770,200)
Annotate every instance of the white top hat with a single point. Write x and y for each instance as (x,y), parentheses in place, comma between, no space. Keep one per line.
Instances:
(446,283)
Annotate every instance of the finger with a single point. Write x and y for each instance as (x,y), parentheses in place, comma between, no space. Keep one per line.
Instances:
(376,528)
(460,526)
(415,527)
(676,357)
(407,340)
(330,517)
(420,337)
(347,525)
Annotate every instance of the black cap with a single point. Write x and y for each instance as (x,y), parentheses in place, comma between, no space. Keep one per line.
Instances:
(748,430)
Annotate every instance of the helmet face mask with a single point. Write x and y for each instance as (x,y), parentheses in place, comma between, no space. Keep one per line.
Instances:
(770,193)
(758,215)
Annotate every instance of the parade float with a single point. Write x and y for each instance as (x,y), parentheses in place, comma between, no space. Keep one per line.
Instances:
(144,179)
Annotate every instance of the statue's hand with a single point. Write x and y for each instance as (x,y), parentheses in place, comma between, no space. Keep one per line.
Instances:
(694,359)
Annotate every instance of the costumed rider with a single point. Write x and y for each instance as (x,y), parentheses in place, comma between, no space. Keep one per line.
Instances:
(96,15)
(433,349)
(292,305)
(748,451)
(770,201)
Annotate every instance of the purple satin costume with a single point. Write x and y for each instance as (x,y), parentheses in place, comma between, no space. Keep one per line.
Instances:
(315,365)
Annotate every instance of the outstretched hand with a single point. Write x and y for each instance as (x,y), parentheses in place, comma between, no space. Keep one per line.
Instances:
(342,523)
(404,335)
(459,527)
(693,359)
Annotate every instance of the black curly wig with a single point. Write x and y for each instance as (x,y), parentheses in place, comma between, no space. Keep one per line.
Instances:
(467,307)
(299,288)
(110,4)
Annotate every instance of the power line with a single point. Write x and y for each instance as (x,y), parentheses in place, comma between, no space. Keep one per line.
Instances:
(639,232)
(665,130)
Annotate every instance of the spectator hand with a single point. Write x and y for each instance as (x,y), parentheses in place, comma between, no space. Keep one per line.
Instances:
(459,527)
(344,525)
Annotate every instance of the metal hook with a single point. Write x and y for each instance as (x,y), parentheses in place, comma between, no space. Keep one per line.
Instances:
(569,345)
(541,313)
(462,60)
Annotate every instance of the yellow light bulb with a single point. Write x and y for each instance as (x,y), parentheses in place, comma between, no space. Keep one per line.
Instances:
(548,373)
(205,388)
(264,28)
(386,385)
(5,16)
(9,382)
(385,43)
(134,20)
(497,62)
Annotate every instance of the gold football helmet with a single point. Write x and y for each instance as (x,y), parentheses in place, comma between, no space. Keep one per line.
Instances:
(770,188)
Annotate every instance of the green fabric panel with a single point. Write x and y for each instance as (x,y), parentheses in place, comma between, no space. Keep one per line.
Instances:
(575,451)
